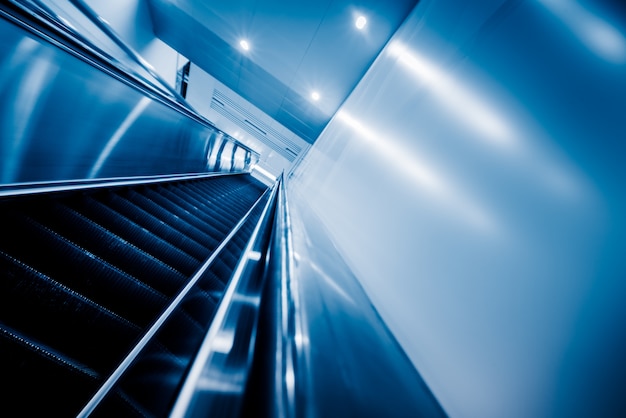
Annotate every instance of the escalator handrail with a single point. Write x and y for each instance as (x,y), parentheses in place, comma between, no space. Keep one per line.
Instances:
(18,189)
(134,353)
(184,402)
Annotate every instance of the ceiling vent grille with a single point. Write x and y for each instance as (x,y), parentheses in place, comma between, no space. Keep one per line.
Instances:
(225,106)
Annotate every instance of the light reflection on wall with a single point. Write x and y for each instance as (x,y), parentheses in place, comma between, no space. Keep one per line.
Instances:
(29,93)
(118,134)
(264,172)
(596,33)
(492,126)
(458,99)
(423,175)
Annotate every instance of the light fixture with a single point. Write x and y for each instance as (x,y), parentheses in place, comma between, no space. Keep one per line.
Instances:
(360,22)
(244,45)
(315,96)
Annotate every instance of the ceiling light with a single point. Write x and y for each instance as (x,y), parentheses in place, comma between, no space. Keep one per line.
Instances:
(315,96)
(360,22)
(244,45)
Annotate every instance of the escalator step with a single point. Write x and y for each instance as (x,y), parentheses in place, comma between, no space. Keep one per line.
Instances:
(165,226)
(224,213)
(39,381)
(203,222)
(109,247)
(229,211)
(63,319)
(173,216)
(80,270)
(136,235)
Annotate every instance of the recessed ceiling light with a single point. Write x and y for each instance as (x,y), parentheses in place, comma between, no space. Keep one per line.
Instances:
(360,22)
(315,96)
(244,45)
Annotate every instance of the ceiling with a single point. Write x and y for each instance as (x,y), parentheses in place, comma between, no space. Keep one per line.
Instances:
(296,48)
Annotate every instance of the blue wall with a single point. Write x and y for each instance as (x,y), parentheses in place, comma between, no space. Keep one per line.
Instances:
(474,182)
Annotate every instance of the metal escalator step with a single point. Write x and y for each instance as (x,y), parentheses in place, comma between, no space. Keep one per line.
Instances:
(54,256)
(190,191)
(165,226)
(62,319)
(173,216)
(212,194)
(109,247)
(237,202)
(135,234)
(232,184)
(38,379)
(184,210)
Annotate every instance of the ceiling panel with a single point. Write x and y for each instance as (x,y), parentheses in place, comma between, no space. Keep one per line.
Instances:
(296,48)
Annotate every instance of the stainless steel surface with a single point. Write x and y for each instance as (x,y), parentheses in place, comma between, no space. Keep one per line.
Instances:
(64,16)
(474,182)
(291,327)
(216,382)
(335,355)
(151,332)
(62,118)
(17,189)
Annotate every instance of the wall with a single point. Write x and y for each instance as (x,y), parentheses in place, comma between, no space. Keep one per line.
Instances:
(474,183)
(271,147)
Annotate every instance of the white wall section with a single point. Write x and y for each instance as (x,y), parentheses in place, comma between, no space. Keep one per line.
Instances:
(474,183)
(277,145)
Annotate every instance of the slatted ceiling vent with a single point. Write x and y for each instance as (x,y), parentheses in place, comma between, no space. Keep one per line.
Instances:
(260,130)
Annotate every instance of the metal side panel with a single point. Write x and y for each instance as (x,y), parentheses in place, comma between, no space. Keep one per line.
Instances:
(62,117)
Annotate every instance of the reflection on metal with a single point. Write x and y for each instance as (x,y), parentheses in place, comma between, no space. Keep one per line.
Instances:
(106,28)
(106,41)
(61,15)
(117,135)
(26,100)
(596,33)
(218,155)
(223,362)
(292,342)
(107,127)
(458,99)
(425,176)
(17,189)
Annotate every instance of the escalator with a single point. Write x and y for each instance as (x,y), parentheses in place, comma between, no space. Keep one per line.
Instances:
(129,290)
(87,272)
